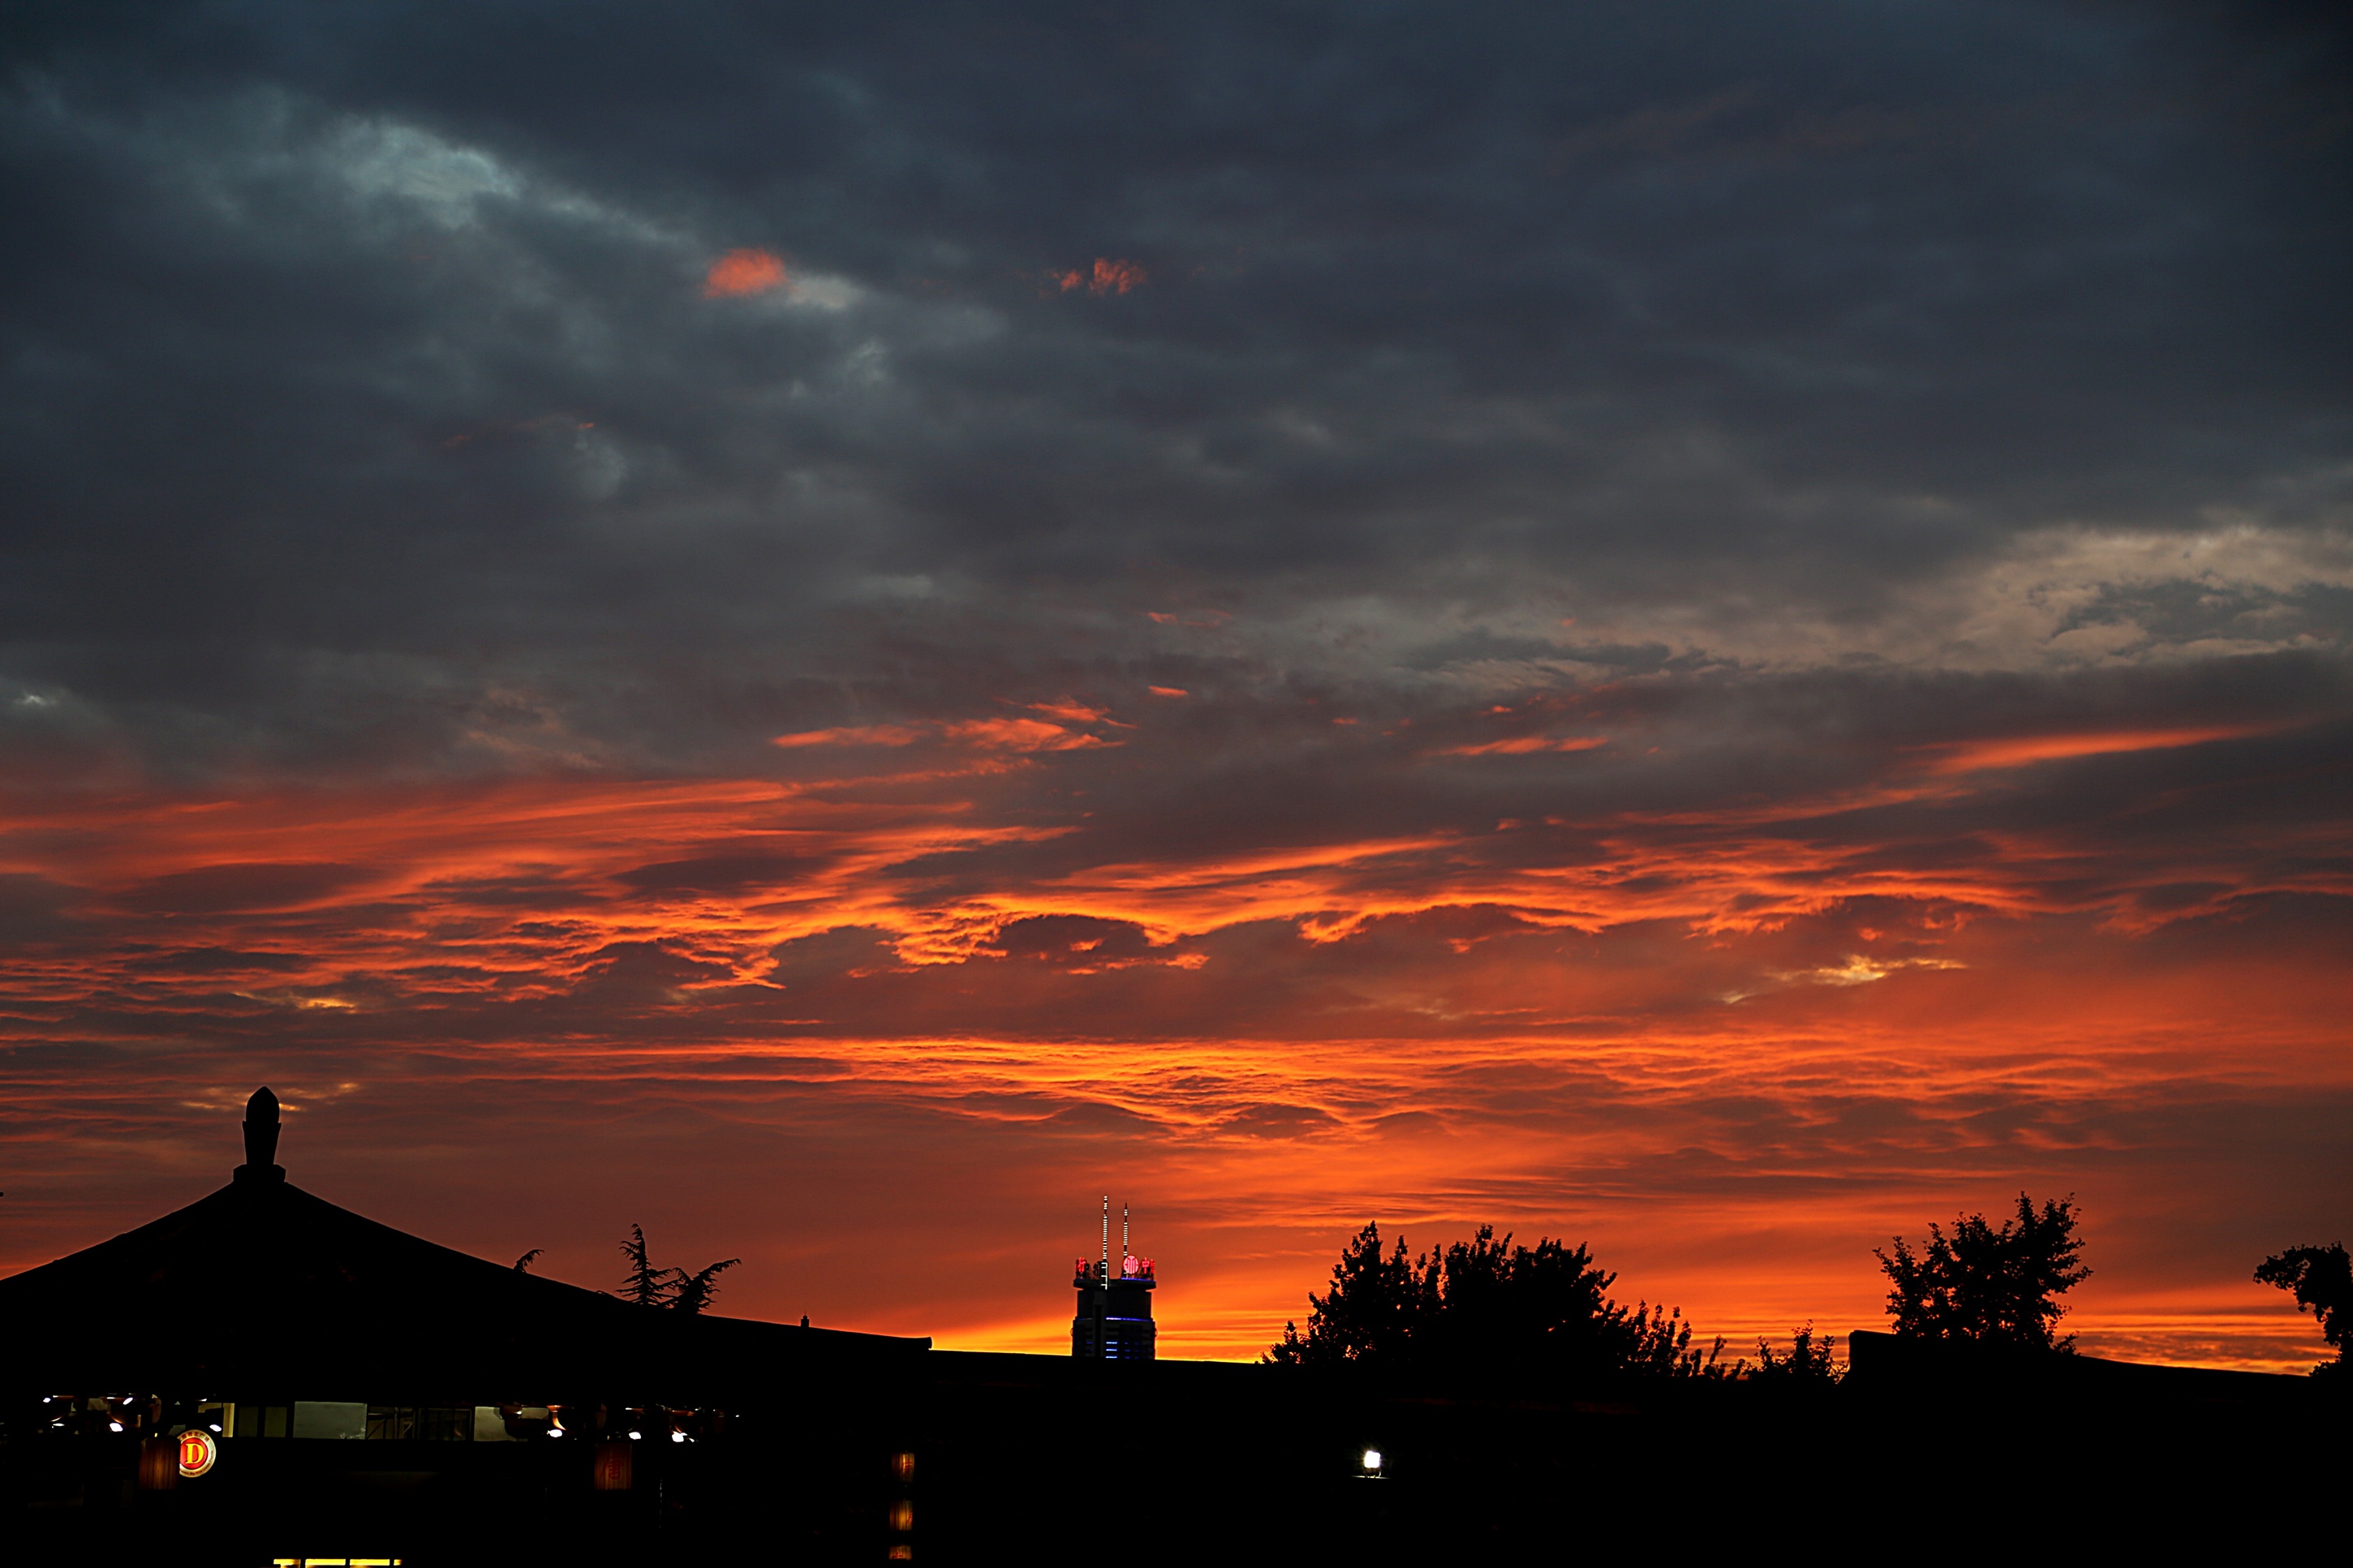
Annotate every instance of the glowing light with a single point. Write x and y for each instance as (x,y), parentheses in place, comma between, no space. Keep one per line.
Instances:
(1372,1460)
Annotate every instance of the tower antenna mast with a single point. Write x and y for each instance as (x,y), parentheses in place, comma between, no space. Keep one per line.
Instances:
(1114,1321)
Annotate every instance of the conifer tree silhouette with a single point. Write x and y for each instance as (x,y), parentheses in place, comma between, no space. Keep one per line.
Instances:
(694,1291)
(645,1285)
(674,1288)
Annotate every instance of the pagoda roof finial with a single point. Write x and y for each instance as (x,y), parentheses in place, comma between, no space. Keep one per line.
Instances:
(261,1139)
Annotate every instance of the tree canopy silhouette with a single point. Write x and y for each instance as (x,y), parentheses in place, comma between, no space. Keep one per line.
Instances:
(2322,1279)
(1989,1286)
(1486,1309)
(1807,1360)
(673,1289)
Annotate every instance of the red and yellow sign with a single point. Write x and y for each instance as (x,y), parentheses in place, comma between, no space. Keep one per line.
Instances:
(198,1452)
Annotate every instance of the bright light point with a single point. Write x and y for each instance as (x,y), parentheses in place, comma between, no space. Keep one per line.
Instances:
(636,1436)
(1372,1459)
(114,1426)
(678,1436)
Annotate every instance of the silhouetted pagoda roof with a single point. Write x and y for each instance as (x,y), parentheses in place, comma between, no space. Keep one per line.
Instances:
(263,1292)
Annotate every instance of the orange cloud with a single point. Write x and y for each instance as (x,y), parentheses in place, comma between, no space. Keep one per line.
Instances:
(1004,734)
(1106,277)
(2022,751)
(1021,735)
(1862,969)
(1522,745)
(854,735)
(745,271)
(1071,711)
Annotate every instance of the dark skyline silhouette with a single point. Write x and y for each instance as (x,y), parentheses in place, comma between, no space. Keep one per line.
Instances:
(475,1402)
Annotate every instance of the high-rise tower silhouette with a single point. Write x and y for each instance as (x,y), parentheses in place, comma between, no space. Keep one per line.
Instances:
(1114,1317)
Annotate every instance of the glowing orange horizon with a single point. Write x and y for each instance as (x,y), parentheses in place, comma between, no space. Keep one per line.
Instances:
(1732,1047)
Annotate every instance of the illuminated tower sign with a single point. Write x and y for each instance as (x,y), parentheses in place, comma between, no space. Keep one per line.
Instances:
(1114,1316)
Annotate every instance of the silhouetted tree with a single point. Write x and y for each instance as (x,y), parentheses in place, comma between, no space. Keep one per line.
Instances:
(1376,1308)
(674,1288)
(694,1290)
(1808,1360)
(1485,1308)
(2322,1278)
(1658,1343)
(1501,1307)
(1989,1286)
(645,1284)
(522,1264)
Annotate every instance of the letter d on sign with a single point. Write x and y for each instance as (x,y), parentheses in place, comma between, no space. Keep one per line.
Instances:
(198,1453)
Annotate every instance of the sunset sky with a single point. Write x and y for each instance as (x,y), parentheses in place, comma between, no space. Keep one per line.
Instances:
(1717,629)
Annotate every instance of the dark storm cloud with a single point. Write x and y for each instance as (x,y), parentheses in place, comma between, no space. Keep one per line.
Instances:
(362,402)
